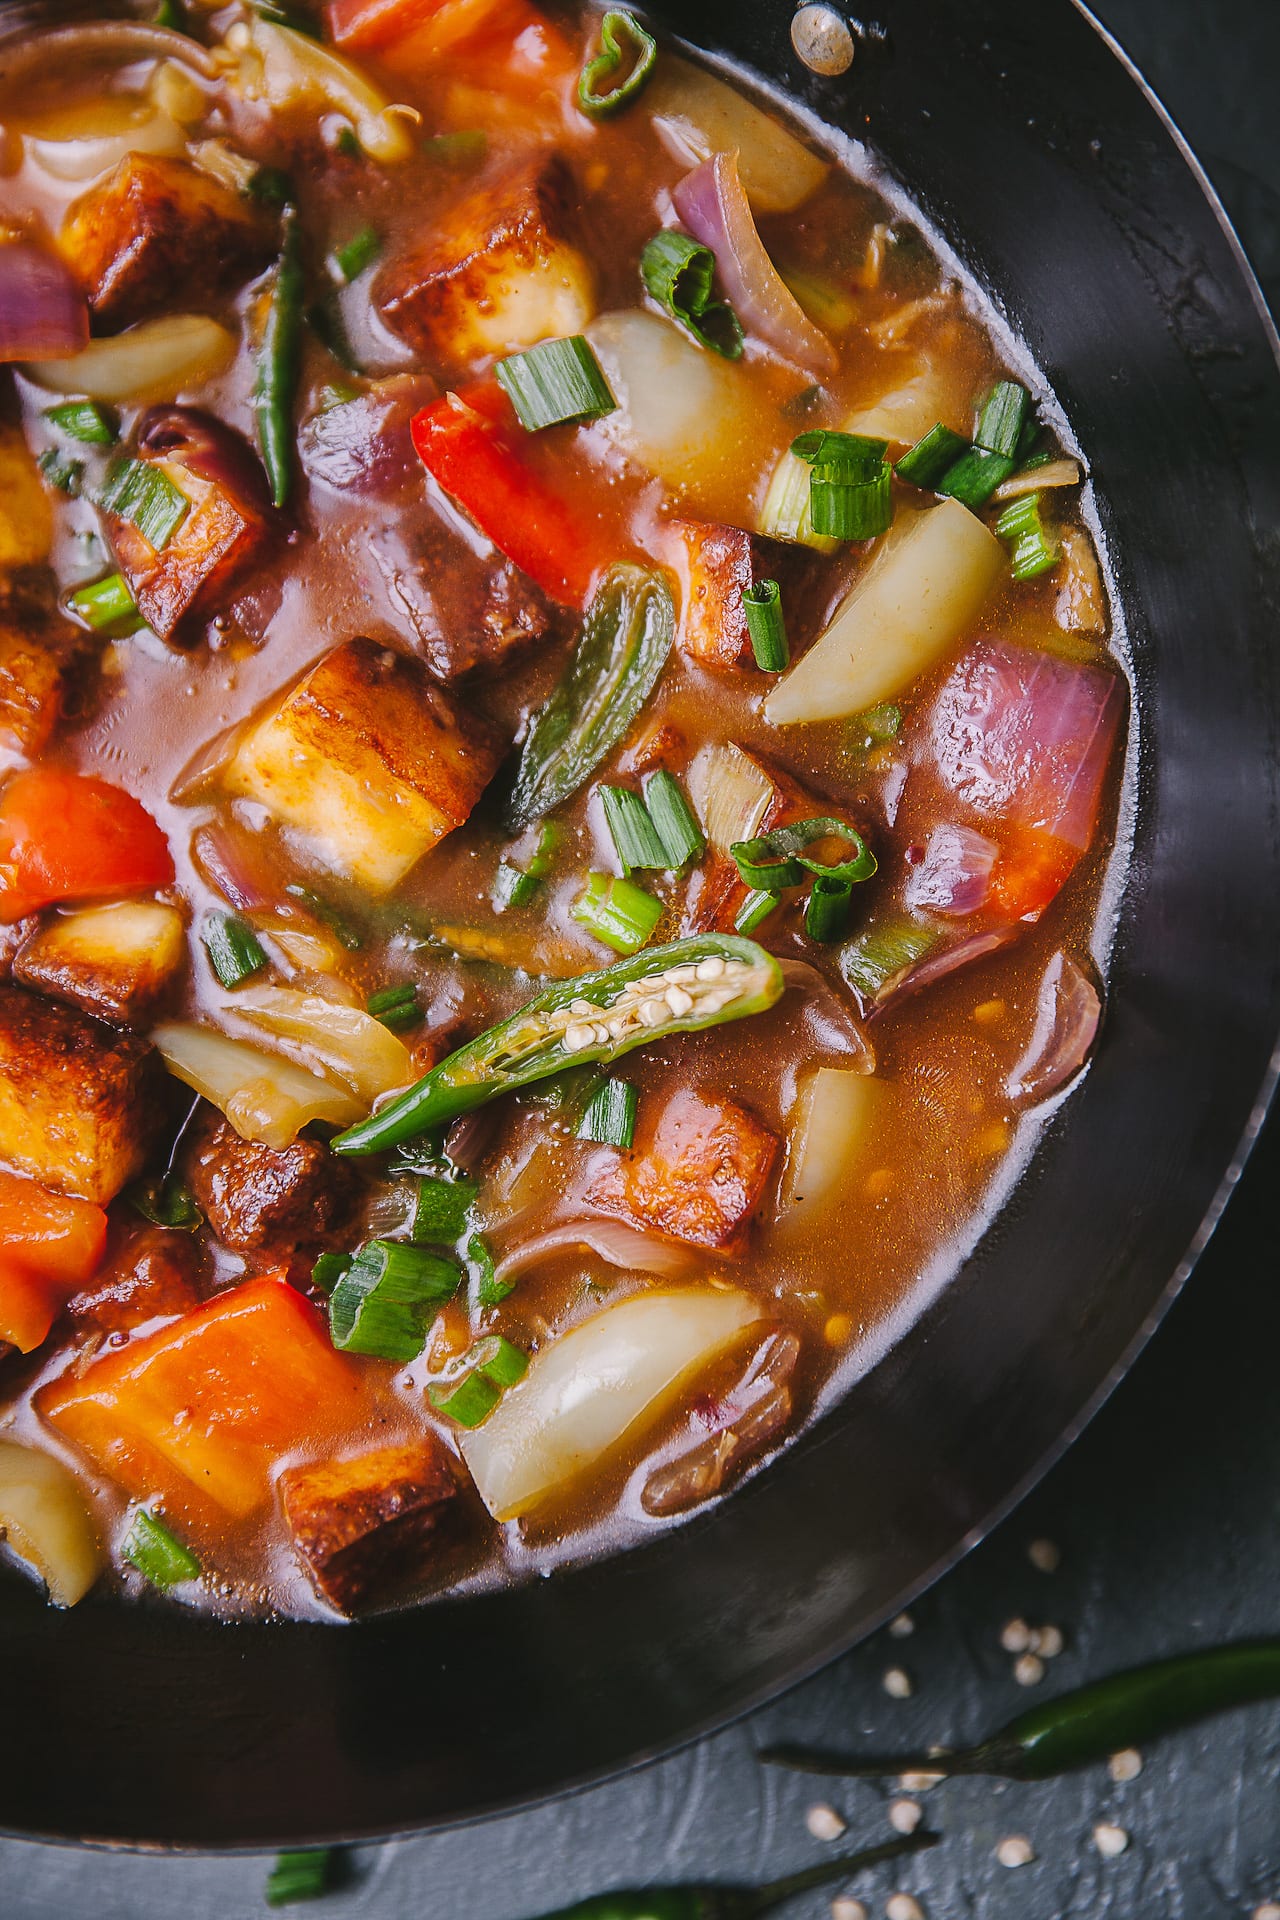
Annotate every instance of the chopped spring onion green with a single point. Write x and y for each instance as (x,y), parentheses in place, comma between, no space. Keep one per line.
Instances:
(555,383)
(105,603)
(850,483)
(275,387)
(777,860)
(490,1291)
(60,471)
(765,625)
(516,886)
(1003,419)
(618,912)
(234,950)
(354,255)
(878,724)
(614,76)
(145,496)
(755,910)
(329,1269)
(681,836)
(679,274)
(975,476)
(272,187)
(465,148)
(83,420)
(873,959)
(635,838)
(347,144)
(610,1117)
(924,464)
(159,1555)
(498,1359)
(441,1209)
(785,514)
(396,1007)
(826,917)
(165,1202)
(300,1876)
(387,1298)
(1035,549)
(468,1400)
(340,927)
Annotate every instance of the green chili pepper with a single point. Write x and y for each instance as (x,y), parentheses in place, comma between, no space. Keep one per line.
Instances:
(620,34)
(626,638)
(699,982)
(737,1903)
(279,360)
(1129,1709)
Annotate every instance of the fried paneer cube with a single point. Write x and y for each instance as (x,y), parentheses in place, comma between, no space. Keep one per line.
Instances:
(715,568)
(116,962)
(367,1528)
(26,511)
(369,760)
(159,228)
(699,1177)
(498,271)
(31,681)
(78,1102)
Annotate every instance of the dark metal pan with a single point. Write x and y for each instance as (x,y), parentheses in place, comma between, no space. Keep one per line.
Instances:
(1041,158)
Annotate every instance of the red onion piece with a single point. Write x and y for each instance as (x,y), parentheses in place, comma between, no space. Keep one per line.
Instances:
(832,1021)
(1025,737)
(363,445)
(621,1246)
(937,966)
(955,875)
(208,448)
(228,864)
(43,314)
(712,205)
(724,1433)
(1068,1010)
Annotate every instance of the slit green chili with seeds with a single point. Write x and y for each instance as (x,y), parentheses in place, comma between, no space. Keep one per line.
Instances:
(1128,1709)
(595,1018)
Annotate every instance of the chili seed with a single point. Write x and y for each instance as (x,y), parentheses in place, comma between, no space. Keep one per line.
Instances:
(1029,1670)
(1015,1636)
(822,40)
(1048,1643)
(901,1906)
(1015,1850)
(919,1782)
(1269,1910)
(824,1823)
(902,1626)
(897,1684)
(905,1816)
(1127,1765)
(845,1908)
(1044,1556)
(1109,1840)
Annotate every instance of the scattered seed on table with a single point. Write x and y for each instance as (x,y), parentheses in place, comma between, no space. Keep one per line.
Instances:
(901,1906)
(897,1684)
(902,1626)
(824,1823)
(1269,1910)
(1048,1642)
(1045,1556)
(846,1908)
(1109,1840)
(1127,1765)
(1015,1636)
(919,1782)
(1029,1670)
(905,1816)
(1015,1850)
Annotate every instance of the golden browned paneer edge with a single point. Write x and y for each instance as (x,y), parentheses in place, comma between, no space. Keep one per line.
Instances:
(220,537)
(715,567)
(31,680)
(78,1102)
(369,760)
(496,272)
(116,962)
(367,1528)
(160,230)
(26,511)
(698,1177)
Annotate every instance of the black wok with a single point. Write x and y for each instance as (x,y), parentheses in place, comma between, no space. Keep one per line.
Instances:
(1040,158)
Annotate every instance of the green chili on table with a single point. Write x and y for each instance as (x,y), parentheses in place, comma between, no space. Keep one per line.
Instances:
(736,1903)
(1127,1709)
(699,982)
(279,360)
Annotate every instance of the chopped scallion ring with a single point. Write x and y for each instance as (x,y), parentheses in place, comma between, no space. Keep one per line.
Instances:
(871,961)
(635,838)
(354,255)
(975,476)
(1003,420)
(499,1359)
(1035,549)
(83,420)
(766,627)
(618,912)
(679,274)
(755,910)
(59,471)
(490,1291)
(681,836)
(159,1555)
(600,91)
(850,483)
(555,383)
(396,1008)
(387,1298)
(305,1875)
(234,950)
(468,1401)
(610,1117)
(924,464)
(775,861)
(145,496)
(329,1269)
(516,886)
(105,603)
(826,917)
(441,1209)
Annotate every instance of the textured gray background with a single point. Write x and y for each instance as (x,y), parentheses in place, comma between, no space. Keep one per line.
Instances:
(1165,1514)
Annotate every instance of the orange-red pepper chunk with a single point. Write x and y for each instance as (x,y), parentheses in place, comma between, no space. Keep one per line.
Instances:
(205,1409)
(51,1244)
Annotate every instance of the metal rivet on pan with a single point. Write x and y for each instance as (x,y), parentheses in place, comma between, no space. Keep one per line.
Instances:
(822,40)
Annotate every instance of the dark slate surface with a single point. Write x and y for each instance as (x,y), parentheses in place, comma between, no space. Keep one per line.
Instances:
(1165,1514)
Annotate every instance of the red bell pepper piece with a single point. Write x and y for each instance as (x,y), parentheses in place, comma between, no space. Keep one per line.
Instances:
(515,41)
(51,1245)
(1031,870)
(205,1408)
(462,448)
(69,836)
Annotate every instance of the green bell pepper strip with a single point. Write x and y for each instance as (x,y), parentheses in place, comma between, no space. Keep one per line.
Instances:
(628,633)
(737,1903)
(594,1019)
(774,861)
(280,359)
(1128,1709)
